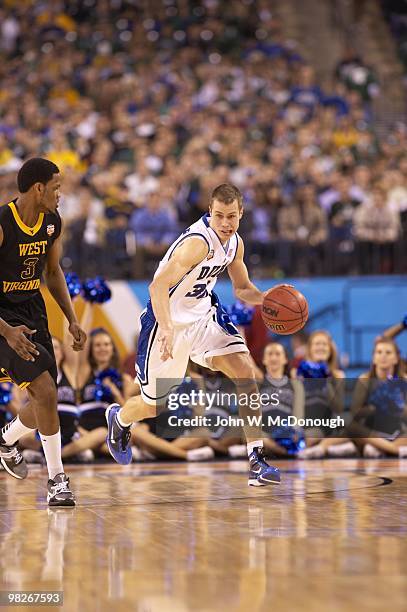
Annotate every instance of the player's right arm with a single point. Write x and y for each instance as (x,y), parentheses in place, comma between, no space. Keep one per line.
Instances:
(15,335)
(185,257)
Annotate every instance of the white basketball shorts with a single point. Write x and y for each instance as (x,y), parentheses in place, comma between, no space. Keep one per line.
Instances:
(209,337)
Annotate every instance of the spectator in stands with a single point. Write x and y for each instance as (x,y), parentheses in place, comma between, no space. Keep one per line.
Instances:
(341,242)
(323,385)
(377,230)
(122,247)
(155,227)
(141,184)
(356,75)
(62,154)
(290,394)
(99,383)
(85,236)
(303,233)
(360,188)
(77,443)
(395,183)
(264,232)
(379,408)
(246,109)
(306,92)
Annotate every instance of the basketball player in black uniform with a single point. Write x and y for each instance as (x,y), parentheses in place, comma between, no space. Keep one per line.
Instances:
(30,243)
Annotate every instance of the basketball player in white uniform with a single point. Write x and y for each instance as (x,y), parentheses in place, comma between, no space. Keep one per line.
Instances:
(183,320)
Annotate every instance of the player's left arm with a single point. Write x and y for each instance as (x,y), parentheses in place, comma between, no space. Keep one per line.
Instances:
(57,286)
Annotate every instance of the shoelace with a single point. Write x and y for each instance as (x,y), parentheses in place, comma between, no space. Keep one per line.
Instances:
(260,459)
(125,438)
(61,487)
(14,452)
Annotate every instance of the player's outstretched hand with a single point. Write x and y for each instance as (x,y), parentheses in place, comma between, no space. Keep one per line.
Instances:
(79,336)
(18,341)
(166,340)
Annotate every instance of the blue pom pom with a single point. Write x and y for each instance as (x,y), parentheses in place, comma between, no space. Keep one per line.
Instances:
(404,322)
(73,284)
(389,396)
(96,291)
(240,314)
(102,392)
(311,369)
(290,438)
(111,373)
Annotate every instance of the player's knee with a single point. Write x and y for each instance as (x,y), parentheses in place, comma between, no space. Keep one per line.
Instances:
(240,366)
(43,390)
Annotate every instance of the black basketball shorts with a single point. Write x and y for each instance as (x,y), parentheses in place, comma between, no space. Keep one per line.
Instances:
(14,368)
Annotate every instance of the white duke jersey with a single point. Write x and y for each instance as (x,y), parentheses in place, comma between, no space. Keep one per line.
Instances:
(190,298)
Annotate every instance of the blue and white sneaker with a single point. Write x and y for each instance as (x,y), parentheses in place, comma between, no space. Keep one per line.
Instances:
(261,473)
(118,437)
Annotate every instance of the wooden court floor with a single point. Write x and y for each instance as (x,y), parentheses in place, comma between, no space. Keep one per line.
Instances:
(194,537)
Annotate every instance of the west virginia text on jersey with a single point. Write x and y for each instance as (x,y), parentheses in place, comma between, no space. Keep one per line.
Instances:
(35,248)
(23,286)
(23,253)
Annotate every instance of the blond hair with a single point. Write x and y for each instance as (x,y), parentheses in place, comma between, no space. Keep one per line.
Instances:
(332,360)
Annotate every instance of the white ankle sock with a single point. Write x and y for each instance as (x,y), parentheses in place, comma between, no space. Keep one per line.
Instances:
(252,445)
(121,422)
(52,452)
(14,430)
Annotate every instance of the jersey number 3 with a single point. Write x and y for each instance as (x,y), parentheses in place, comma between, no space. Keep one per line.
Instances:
(198,291)
(29,272)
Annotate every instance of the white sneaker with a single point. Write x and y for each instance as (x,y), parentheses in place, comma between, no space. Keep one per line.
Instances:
(371,452)
(237,450)
(402,451)
(205,453)
(347,449)
(312,452)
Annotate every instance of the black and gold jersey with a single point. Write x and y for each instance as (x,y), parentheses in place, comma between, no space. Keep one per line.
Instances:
(23,253)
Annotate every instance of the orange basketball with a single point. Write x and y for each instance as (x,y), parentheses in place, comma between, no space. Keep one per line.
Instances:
(284,310)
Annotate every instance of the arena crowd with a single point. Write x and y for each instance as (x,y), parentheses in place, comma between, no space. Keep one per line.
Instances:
(146,107)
